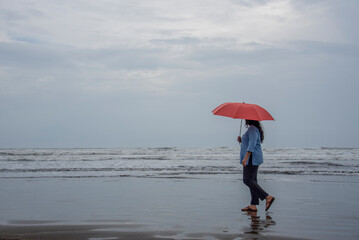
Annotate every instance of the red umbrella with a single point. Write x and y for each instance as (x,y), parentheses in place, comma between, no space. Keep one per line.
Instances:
(242,111)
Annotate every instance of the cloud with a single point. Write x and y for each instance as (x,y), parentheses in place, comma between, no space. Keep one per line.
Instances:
(87,24)
(120,69)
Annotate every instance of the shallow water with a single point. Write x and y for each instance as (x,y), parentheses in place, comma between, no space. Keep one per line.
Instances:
(319,207)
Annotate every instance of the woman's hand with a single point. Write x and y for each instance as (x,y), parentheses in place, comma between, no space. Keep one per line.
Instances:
(239,139)
(246,157)
(244,162)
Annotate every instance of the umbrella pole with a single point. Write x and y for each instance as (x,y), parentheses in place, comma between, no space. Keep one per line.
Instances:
(240,131)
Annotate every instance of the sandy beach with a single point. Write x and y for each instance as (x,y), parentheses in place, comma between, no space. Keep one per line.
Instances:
(307,207)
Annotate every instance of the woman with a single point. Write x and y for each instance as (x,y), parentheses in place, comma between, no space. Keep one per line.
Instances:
(251,157)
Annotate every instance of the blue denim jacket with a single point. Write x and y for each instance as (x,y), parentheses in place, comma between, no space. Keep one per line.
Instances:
(251,142)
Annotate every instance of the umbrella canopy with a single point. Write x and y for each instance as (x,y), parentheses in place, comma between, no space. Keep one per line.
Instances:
(242,111)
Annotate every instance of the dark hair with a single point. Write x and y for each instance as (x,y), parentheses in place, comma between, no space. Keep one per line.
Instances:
(258,125)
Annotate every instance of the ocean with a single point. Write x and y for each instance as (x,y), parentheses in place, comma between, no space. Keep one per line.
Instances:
(171,162)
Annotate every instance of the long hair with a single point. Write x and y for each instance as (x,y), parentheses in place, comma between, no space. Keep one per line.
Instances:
(258,125)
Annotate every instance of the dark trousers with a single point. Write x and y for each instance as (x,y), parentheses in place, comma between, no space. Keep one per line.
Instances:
(250,179)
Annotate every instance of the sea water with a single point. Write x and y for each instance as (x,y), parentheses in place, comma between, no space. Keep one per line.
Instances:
(171,162)
(189,190)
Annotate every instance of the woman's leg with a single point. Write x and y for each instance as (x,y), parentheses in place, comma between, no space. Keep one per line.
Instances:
(249,176)
(255,197)
(250,179)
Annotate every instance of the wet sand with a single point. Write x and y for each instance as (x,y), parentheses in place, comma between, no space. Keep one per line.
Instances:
(84,232)
(306,207)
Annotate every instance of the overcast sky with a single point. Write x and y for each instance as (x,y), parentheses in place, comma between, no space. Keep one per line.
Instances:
(140,73)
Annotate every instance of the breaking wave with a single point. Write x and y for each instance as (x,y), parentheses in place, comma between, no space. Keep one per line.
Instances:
(171,162)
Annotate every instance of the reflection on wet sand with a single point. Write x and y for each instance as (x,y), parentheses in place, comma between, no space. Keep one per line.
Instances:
(257,225)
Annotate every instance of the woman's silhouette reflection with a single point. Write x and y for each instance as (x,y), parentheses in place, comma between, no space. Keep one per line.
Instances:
(257,224)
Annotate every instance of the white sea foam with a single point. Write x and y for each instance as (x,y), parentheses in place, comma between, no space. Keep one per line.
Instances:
(171,162)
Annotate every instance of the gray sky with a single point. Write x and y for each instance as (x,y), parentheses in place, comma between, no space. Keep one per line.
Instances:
(139,73)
